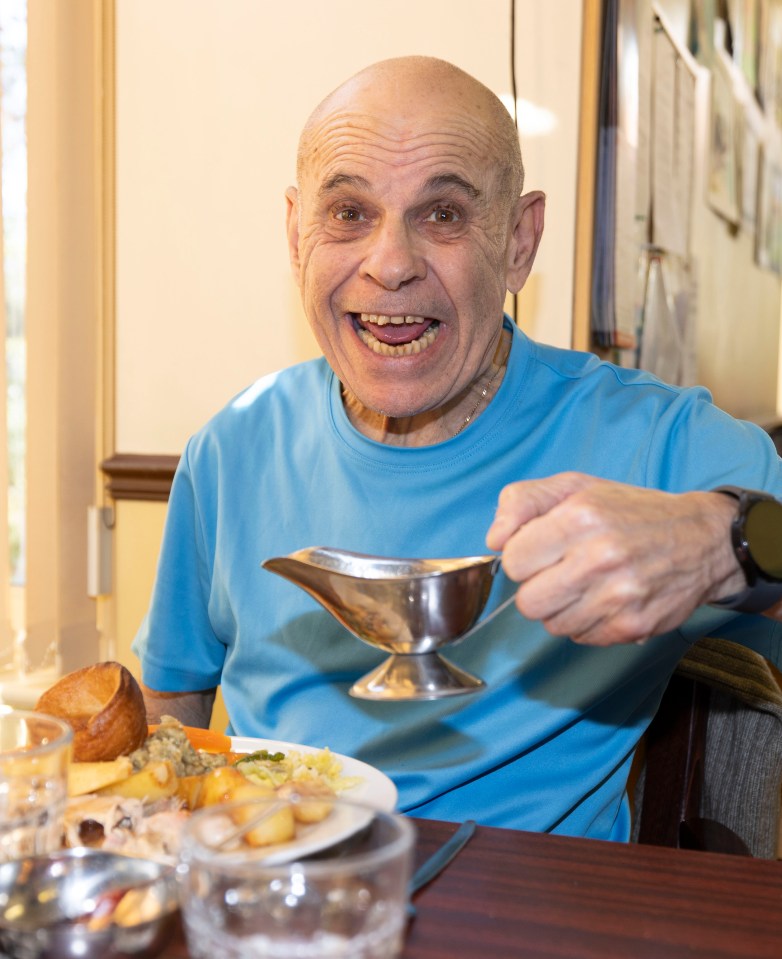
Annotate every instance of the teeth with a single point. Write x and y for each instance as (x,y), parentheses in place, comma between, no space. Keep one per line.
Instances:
(405,349)
(382,320)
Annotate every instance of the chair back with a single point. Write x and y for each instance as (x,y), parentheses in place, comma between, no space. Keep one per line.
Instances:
(710,775)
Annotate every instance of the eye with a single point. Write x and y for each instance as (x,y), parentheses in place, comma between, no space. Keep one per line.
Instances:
(443,214)
(348,215)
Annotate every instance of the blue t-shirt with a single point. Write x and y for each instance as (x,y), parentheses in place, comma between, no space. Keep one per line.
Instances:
(547,745)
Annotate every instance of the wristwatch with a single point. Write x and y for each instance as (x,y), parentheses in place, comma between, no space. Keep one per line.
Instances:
(756,535)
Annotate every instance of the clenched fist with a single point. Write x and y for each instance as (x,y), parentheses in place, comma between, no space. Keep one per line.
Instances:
(605,562)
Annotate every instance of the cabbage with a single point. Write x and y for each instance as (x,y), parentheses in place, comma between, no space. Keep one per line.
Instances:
(321,766)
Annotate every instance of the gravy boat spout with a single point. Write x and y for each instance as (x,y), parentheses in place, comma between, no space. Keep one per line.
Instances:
(407,607)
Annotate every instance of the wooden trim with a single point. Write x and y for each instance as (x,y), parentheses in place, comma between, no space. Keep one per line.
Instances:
(139,476)
(587,171)
(105,164)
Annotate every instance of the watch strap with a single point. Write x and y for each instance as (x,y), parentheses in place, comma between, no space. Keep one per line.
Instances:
(753,599)
(740,492)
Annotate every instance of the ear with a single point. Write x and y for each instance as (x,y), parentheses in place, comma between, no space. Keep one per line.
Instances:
(526,231)
(292,227)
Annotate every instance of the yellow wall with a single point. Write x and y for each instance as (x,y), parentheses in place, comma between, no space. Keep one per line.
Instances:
(137,535)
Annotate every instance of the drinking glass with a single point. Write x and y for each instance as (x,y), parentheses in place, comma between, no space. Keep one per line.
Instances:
(338,890)
(34,753)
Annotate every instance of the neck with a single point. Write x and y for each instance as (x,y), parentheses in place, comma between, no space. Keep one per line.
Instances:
(438,425)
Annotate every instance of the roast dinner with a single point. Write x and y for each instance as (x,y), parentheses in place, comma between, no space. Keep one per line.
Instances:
(131,785)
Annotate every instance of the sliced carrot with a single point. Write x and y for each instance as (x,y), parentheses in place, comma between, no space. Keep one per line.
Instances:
(209,740)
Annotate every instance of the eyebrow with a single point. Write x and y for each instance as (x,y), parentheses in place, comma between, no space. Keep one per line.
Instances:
(342,179)
(434,184)
(445,180)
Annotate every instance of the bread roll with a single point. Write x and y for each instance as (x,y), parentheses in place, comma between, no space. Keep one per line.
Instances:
(104,706)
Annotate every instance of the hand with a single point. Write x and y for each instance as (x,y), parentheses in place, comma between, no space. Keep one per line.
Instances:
(605,563)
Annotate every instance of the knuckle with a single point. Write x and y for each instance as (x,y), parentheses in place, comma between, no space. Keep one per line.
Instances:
(611,553)
(630,626)
(509,495)
(584,514)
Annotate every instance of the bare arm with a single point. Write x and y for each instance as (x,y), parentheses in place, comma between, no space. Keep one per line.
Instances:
(607,563)
(191,709)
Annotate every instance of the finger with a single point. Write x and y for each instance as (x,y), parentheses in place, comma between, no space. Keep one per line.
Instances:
(609,611)
(591,599)
(571,528)
(523,501)
(540,543)
(587,623)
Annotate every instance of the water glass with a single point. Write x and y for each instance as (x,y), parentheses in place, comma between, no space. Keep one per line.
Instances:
(34,753)
(338,890)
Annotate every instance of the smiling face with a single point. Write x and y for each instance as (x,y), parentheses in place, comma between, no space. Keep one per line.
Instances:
(405,233)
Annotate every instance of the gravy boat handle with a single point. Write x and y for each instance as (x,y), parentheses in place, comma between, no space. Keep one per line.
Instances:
(487,619)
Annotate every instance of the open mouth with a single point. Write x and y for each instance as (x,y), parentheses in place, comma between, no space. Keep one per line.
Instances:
(395,335)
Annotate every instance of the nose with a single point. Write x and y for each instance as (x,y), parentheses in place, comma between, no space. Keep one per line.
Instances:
(392,257)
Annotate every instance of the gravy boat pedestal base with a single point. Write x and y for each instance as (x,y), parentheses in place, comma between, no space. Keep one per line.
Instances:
(415,676)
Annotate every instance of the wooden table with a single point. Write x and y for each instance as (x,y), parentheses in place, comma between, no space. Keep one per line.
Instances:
(516,894)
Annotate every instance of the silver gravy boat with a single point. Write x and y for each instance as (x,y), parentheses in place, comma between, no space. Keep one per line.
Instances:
(410,608)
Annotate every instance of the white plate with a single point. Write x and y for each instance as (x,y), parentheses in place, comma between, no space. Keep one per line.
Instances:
(375,789)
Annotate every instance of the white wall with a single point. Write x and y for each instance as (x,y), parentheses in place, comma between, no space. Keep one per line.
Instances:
(210,99)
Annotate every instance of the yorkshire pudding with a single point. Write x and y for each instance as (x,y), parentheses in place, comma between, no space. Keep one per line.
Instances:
(104,706)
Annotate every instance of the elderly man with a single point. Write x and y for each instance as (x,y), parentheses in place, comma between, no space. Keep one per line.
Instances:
(430,408)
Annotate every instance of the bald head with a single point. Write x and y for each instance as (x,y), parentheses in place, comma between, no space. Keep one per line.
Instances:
(400,90)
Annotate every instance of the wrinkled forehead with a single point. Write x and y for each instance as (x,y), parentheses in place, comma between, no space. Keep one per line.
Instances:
(353,141)
(408,115)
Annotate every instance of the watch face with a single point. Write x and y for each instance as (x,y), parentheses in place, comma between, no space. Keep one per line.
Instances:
(763,532)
